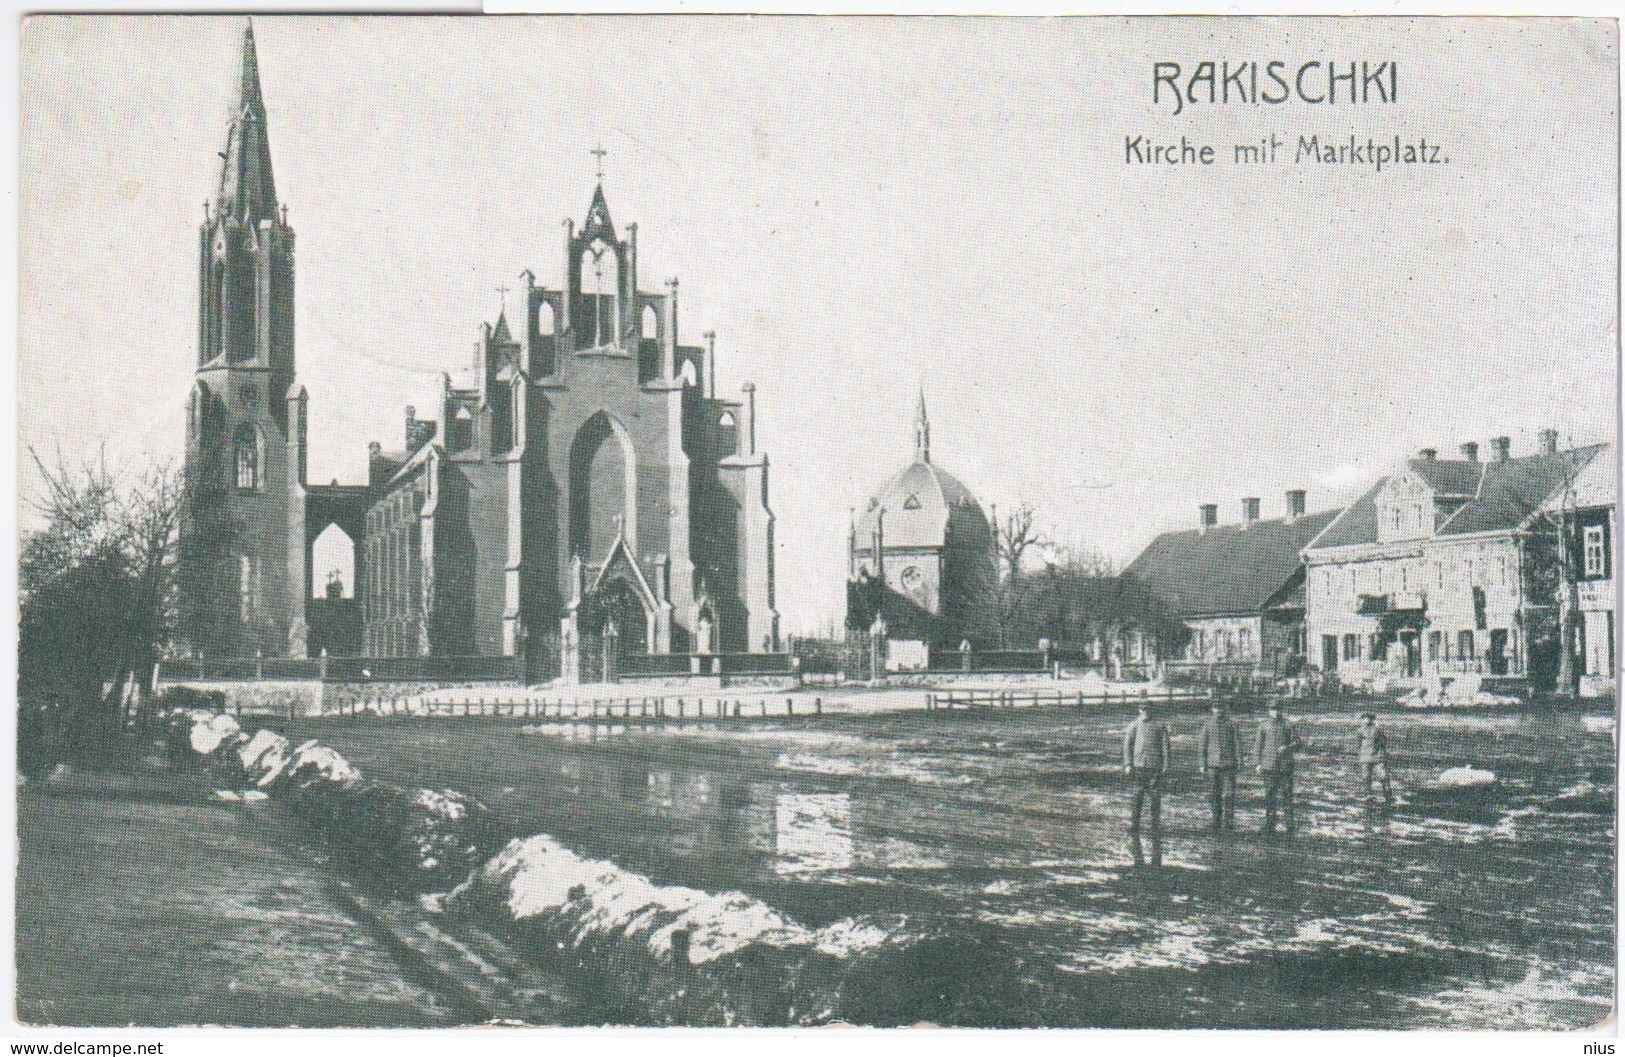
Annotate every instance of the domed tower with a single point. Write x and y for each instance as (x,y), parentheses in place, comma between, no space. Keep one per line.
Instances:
(920,553)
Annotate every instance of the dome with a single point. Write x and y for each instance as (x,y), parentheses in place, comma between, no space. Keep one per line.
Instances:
(920,502)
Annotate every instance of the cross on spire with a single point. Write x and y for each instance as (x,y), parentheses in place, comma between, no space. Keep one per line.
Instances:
(600,153)
(502,292)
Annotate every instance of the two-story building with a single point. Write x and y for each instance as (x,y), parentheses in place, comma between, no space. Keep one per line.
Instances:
(1444,566)
(1586,513)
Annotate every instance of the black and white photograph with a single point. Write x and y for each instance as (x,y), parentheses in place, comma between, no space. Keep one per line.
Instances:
(647,521)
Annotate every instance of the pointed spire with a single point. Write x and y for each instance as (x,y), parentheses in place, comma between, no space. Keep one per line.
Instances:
(598,224)
(501,334)
(922,431)
(247,188)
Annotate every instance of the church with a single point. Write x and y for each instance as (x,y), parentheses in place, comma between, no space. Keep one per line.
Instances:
(583,476)
(921,556)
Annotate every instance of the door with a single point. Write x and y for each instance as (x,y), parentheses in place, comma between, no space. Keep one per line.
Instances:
(1498,651)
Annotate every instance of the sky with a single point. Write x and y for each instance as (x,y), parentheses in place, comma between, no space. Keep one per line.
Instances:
(862,208)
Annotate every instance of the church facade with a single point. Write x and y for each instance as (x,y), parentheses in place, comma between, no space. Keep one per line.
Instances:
(583,473)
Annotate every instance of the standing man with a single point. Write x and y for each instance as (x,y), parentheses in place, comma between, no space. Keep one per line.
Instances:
(1146,751)
(1372,746)
(1277,745)
(1219,754)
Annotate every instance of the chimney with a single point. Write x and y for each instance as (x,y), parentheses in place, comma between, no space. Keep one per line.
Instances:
(411,424)
(1295,499)
(1428,454)
(1469,451)
(1209,516)
(1548,442)
(1249,510)
(1502,447)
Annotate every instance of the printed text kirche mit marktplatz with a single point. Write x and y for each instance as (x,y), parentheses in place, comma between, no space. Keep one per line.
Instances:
(1177,87)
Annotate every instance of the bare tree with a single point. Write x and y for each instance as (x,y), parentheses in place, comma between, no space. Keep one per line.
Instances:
(94,583)
(1014,537)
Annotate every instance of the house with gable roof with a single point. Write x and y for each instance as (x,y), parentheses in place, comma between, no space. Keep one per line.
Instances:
(1444,567)
(1238,588)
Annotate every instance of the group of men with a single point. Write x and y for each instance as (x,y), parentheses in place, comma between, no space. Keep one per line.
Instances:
(1148,753)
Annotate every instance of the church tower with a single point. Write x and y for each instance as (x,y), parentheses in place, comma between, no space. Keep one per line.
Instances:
(242,545)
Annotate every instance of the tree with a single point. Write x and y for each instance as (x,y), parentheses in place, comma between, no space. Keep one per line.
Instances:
(95,586)
(1014,538)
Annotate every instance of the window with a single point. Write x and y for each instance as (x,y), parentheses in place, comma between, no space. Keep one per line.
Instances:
(912,502)
(1245,650)
(1595,552)
(1379,647)
(248,458)
(1199,645)
(1480,605)
(600,287)
(1434,641)
(1351,647)
(1464,645)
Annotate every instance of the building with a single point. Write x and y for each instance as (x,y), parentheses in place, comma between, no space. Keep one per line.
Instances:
(1237,588)
(1444,566)
(921,555)
(1586,511)
(243,574)
(585,472)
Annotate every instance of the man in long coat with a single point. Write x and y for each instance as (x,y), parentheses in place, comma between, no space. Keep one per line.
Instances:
(1219,754)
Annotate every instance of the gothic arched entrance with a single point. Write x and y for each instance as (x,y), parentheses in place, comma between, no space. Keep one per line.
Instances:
(614,601)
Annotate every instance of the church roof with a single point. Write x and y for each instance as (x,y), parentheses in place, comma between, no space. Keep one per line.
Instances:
(919,501)
(1226,569)
(247,187)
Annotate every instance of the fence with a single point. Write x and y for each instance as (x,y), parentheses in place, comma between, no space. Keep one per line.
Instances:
(948,700)
(339,669)
(1012,662)
(659,709)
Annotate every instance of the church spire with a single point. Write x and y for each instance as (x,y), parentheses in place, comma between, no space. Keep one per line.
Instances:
(922,431)
(247,188)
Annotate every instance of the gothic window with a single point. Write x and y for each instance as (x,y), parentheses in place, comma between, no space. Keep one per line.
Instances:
(248,458)
(689,375)
(600,287)
(651,323)
(544,319)
(727,433)
(460,437)
(217,308)
(912,502)
(515,412)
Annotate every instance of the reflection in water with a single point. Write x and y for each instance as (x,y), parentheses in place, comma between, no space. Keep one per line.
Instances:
(1010,819)
(813,832)
(1137,849)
